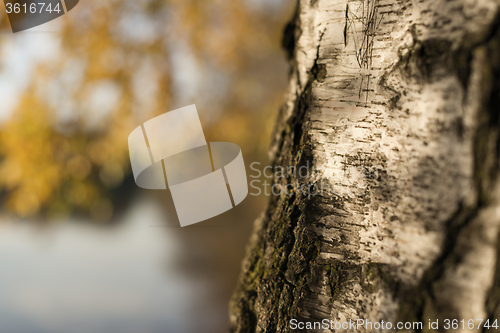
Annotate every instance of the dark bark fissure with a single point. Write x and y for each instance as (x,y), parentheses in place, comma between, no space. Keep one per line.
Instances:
(492,167)
(280,264)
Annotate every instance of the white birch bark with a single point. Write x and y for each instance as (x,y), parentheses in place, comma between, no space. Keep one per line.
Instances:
(395,104)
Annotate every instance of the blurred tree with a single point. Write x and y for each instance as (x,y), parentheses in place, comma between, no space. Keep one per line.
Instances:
(119,63)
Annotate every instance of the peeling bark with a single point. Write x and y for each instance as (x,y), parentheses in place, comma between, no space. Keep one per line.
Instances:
(395,104)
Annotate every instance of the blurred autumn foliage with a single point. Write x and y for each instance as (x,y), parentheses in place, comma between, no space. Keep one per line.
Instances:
(63,148)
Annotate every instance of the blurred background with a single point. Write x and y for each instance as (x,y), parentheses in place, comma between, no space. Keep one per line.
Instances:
(82,248)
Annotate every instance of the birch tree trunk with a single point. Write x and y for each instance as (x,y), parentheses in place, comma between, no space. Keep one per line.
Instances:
(394,104)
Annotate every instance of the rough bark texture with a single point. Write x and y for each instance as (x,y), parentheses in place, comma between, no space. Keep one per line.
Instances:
(395,104)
